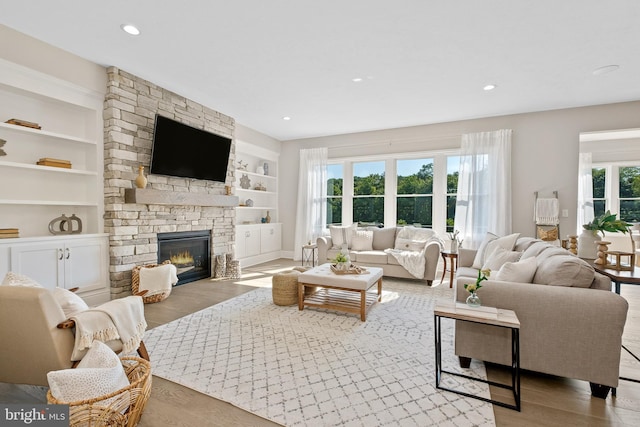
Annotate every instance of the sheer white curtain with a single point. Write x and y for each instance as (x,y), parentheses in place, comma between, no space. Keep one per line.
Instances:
(312,198)
(585,191)
(483,202)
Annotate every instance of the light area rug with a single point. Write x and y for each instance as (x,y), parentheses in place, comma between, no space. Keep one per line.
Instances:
(323,368)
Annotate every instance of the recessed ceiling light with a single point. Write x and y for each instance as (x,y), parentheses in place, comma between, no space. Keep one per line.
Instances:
(356,79)
(604,70)
(130,29)
(489,87)
(286,118)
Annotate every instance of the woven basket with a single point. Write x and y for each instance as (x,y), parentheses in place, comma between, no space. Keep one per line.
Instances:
(284,287)
(135,284)
(126,407)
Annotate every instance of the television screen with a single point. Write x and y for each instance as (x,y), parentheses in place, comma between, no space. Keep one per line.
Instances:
(184,151)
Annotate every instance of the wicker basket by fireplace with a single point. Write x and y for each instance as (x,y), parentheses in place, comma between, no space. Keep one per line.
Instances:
(135,284)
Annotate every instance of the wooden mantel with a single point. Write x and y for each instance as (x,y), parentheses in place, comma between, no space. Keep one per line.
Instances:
(147,196)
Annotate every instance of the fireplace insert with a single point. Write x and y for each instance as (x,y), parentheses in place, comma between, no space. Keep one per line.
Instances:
(189,251)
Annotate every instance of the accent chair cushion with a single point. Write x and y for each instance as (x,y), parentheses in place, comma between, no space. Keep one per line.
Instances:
(15,279)
(69,302)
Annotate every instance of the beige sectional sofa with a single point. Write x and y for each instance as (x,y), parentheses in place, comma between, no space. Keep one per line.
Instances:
(571,322)
(375,255)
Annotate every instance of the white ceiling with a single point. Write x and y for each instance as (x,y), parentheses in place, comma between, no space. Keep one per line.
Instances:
(421,61)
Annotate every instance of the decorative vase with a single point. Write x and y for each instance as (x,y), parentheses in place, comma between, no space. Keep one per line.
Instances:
(268,218)
(587,244)
(473,300)
(141,180)
(342,266)
(260,170)
(265,167)
(454,246)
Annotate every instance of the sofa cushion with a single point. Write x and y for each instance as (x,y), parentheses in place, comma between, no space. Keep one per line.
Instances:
(490,243)
(535,249)
(15,279)
(371,257)
(412,238)
(362,240)
(341,234)
(499,257)
(520,272)
(70,302)
(467,272)
(564,270)
(383,238)
(523,243)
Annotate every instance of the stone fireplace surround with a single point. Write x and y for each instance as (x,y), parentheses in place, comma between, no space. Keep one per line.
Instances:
(133,224)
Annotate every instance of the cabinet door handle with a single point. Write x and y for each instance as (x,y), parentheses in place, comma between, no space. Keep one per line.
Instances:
(68,253)
(60,253)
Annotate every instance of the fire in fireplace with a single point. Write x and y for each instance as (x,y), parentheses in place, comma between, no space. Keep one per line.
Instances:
(189,251)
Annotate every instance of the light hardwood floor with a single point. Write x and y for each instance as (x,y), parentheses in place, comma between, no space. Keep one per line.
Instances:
(546,400)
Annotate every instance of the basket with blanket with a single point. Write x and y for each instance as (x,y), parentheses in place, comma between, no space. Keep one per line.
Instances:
(156,279)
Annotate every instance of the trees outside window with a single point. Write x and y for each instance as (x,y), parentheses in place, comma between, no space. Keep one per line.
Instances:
(629,188)
(368,192)
(453,165)
(335,182)
(617,188)
(414,201)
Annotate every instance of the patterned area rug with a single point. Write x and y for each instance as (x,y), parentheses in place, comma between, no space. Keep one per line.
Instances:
(319,367)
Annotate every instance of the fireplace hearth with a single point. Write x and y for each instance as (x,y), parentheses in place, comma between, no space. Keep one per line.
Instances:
(189,251)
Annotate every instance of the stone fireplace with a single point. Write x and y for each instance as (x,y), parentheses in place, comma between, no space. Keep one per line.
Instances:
(189,251)
(135,217)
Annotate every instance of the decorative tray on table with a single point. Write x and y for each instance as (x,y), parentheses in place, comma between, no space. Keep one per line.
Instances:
(353,269)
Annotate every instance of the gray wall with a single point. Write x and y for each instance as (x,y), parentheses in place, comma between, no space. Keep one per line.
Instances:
(544,155)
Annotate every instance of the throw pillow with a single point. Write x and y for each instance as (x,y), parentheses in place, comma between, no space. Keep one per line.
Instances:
(564,270)
(15,279)
(69,302)
(520,272)
(505,242)
(362,240)
(383,238)
(478,261)
(341,234)
(499,257)
(413,238)
(99,373)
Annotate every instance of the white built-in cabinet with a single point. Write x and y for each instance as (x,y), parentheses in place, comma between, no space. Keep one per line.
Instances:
(257,241)
(32,195)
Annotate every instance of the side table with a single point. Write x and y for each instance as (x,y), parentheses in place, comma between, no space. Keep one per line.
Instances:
(486,316)
(309,255)
(453,256)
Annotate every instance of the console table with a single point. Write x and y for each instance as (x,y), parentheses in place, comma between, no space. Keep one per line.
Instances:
(486,316)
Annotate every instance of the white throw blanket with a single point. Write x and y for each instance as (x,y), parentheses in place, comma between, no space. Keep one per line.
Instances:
(121,319)
(547,212)
(413,237)
(158,279)
(412,261)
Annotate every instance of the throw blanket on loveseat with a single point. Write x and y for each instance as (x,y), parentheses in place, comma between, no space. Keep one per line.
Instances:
(410,246)
(121,319)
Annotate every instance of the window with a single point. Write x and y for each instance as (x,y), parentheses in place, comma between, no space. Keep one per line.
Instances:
(629,193)
(368,192)
(617,188)
(599,195)
(453,166)
(414,201)
(335,184)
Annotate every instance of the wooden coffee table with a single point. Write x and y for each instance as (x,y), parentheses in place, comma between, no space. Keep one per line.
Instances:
(341,292)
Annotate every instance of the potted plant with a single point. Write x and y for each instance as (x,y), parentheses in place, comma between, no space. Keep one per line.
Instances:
(341,261)
(604,222)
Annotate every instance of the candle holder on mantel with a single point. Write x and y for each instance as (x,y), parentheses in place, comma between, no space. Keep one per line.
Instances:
(601,255)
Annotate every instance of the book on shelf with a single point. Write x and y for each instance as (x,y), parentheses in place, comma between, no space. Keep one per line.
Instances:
(56,163)
(8,233)
(25,123)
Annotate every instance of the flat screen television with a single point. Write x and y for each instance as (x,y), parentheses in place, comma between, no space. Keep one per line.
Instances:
(188,152)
